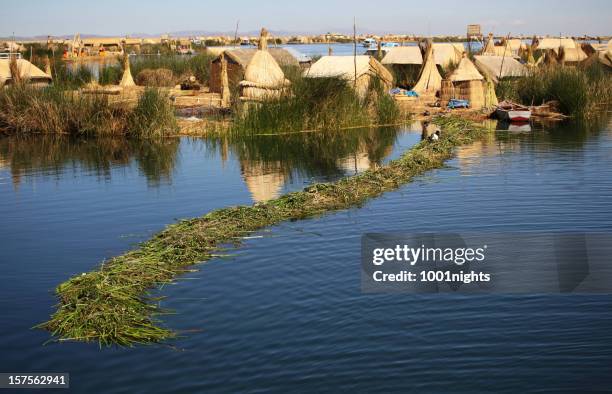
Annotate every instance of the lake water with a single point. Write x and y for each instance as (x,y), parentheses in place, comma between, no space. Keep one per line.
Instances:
(285,313)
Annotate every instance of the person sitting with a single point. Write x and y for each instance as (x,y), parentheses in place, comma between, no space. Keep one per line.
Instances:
(435,136)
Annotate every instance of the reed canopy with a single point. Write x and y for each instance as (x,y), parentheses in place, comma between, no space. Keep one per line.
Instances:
(430,80)
(360,70)
(496,67)
(25,72)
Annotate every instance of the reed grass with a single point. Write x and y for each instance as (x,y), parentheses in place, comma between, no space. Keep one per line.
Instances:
(578,90)
(54,110)
(318,104)
(112,305)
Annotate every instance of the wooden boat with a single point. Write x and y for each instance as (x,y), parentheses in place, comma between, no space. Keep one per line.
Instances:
(512,112)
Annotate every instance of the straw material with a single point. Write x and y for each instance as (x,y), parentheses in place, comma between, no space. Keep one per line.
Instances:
(572,55)
(263,77)
(490,97)
(446,53)
(27,71)
(466,71)
(489,48)
(473,91)
(555,44)
(447,92)
(430,80)
(403,55)
(494,66)
(126,79)
(225,90)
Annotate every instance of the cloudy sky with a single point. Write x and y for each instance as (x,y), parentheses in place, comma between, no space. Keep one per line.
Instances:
(114,17)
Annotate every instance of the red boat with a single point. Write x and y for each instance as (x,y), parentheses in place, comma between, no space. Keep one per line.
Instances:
(512,112)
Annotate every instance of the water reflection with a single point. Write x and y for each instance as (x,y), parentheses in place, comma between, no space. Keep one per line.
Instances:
(51,156)
(268,162)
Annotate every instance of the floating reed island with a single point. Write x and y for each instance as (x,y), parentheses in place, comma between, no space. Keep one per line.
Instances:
(271,90)
(112,305)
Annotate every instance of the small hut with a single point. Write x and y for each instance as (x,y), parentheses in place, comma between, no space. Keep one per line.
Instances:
(359,70)
(495,67)
(468,83)
(28,73)
(430,79)
(571,56)
(237,61)
(405,63)
(263,77)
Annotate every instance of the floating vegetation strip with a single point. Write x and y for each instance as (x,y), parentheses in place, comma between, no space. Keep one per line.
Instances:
(112,305)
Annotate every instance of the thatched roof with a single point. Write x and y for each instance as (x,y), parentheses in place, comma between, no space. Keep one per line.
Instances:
(403,55)
(344,67)
(430,79)
(446,53)
(263,77)
(572,55)
(555,43)
(27,71)
(493,66)
(466,71)
(489,48)
(244,56)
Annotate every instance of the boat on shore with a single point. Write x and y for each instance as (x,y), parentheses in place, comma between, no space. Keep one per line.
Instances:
(512,112)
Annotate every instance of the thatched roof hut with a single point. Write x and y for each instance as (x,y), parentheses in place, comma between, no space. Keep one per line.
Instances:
(466,71)
(571,55)
(499,66)
(468,83)
(27,72)
(237,61)
(364,68)
(430,79)
(403,56)
(405,63)
(263,77)
(555,44)
(447,53)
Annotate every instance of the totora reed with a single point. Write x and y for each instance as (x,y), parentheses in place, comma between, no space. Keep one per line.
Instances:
(112,305)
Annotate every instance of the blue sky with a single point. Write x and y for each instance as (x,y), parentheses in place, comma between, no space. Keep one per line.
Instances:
(112,17)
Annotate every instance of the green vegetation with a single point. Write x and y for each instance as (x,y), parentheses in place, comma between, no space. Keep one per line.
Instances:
(112,305)
(318,104)
(578,90)
(25,109)
(153,115)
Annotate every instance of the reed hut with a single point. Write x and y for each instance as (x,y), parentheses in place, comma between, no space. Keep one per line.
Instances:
(405,63)
(358,70)
(496,67)
(430,79)
(468,83)
(554,44)
(27,72)
(263,77)
(448,53)
(237,61)
(571,56)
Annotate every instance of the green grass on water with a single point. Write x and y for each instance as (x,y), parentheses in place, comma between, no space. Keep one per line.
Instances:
(112,305)
(578,90)
(53,110)
(318,104)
